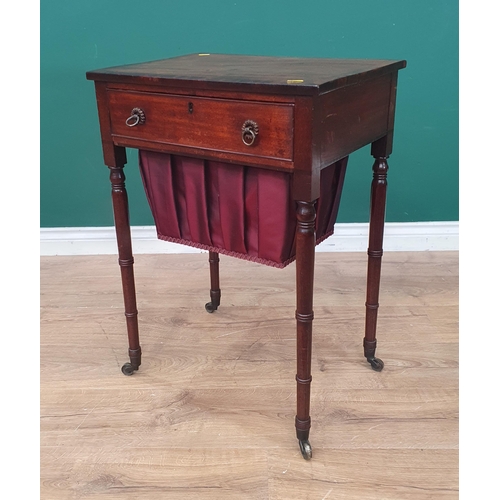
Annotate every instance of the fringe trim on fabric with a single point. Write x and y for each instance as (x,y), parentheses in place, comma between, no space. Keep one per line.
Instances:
(237,255)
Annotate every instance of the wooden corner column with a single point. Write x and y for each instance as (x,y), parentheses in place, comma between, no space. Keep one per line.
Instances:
(115,158)
(306,189)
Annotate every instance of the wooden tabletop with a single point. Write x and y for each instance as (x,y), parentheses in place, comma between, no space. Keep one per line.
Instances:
(286,75)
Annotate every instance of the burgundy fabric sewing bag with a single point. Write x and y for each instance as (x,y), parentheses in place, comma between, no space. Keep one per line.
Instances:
(232,209)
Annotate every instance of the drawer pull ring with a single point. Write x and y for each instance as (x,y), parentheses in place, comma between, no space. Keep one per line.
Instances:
(135,118)
(249,132)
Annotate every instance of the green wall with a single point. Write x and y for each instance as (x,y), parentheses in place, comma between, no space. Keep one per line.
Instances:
(91,34)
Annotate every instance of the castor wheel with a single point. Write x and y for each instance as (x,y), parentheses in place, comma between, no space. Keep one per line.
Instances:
(377,364)
(305,449)
(128,369)
(209,307)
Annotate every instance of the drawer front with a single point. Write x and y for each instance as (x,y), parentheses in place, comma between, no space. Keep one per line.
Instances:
(205,123)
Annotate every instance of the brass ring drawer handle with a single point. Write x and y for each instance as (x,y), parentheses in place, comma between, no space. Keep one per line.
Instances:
(137,117)
(249,132)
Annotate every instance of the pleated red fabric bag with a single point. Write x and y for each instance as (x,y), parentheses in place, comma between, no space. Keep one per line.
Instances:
(231,209)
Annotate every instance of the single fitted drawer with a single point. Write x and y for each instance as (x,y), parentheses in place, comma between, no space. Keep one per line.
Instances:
(234,126)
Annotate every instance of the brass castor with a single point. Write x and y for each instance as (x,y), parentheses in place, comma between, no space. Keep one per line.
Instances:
(209,307)
(128,369)
(377,364)
(305,449)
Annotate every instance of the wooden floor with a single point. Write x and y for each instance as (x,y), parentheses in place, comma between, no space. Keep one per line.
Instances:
(210,414)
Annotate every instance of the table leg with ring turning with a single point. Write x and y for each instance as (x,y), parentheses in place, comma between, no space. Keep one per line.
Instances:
(380,151)
(126,261)
(305,241)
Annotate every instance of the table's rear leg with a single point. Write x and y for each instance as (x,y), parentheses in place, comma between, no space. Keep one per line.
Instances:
(213,259)
(126,261)
(305,242)
(377,220)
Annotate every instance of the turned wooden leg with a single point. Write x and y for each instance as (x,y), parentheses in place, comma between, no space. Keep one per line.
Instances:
(377,219)
(305,242)
(213,259)
(126,261)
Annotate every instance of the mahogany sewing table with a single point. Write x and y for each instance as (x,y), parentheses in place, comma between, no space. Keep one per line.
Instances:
(246,155)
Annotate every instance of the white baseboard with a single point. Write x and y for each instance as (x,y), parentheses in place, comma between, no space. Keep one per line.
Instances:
(398,236)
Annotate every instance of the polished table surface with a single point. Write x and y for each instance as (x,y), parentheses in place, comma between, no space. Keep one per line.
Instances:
(290,115)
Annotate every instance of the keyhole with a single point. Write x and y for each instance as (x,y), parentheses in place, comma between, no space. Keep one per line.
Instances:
(190,107)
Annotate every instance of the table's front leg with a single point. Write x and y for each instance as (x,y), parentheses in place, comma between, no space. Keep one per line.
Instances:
(305,243)
(380,150)
(126,261)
